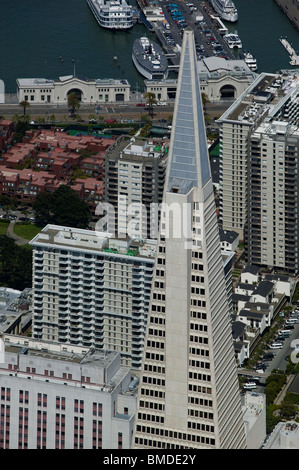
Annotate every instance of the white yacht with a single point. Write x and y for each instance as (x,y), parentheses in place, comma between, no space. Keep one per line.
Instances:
(112,14)
(250,61)
(233,41)
(226,10)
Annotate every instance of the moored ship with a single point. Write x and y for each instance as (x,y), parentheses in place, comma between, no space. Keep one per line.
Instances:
(112,14)
(149,59)
(226,10)
(233,41)
(250,61)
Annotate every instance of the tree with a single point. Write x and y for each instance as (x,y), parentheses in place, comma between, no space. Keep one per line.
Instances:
(16,264)
(150,101)
(24,104)
(62,207)
(42,208)
(22,125)
(287,410)
(73,103)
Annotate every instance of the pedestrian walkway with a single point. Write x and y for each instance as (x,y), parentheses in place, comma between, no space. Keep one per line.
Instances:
(10,233)
(284,390)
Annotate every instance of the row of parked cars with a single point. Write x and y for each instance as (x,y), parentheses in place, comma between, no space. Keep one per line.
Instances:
(177,15)
(284,333)
(211,40)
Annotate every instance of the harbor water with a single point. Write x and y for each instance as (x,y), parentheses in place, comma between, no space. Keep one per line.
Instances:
(49,39)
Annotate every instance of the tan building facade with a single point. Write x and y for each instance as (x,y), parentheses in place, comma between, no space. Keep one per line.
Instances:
(45,91)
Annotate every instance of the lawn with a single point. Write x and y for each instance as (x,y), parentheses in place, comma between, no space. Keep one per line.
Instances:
(26,231)
(3,226)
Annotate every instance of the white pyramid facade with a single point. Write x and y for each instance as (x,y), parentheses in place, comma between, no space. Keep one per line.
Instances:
(188,394)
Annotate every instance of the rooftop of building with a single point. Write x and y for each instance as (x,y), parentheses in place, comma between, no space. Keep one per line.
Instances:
(138,149)
(13,303)
(215,67)
(95,241)
(107,372)
(252,315)
(252,269)
(284,436)
(228,236)
(276,130)
(263,97)
(42,82)
(264,288)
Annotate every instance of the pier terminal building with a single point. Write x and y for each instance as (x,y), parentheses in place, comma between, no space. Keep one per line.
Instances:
(220,79)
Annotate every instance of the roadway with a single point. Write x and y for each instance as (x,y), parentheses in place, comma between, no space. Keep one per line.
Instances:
(279,361)
(116,111)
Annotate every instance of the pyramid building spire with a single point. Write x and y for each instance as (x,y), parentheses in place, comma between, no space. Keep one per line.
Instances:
(189,161)
(188,394)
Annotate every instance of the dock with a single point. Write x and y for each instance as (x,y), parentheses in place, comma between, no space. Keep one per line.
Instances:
(222,29)
(294,57)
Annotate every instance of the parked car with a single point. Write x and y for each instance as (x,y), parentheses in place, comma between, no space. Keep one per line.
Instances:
(276,346)
(249,385)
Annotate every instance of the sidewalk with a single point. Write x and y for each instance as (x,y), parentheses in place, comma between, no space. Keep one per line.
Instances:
(10,233)
(282,393)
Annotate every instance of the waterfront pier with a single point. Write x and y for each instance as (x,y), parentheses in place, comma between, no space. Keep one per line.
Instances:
(294,57)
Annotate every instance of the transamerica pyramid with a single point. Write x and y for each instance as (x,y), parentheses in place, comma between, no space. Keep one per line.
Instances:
(188,395)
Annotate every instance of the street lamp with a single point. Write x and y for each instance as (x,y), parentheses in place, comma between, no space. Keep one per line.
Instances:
(74,63)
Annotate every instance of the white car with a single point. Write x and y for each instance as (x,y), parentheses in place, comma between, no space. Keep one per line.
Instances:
(249,385)
(276,346)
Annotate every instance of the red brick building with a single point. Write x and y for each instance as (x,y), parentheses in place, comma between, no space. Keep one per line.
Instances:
(48,158)
(6,133)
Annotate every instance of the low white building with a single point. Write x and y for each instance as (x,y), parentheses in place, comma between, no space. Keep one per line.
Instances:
(285,435)
(229,240)
(256,321)
(96,91)
(283,284)
(250,274)
(220,79)
(254,415)
(61,396)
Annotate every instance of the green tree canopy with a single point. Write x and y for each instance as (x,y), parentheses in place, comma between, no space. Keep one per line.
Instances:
(150,100)
(24,104)
(73,103)
(62,207)
(16,264)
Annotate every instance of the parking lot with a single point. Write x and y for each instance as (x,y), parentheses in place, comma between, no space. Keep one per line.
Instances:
(276,357)
(208,40)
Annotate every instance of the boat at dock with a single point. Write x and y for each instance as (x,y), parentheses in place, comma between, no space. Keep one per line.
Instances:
(233,41)
(112,14)
(226,10)
(149,59)
(250,60)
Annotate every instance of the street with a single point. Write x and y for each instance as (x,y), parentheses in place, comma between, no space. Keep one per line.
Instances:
(279,361)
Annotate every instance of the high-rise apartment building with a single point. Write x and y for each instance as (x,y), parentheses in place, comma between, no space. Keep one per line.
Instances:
(269,97)
(134,177)
(92,290)
(62,396)
(273,225)
(188,395)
